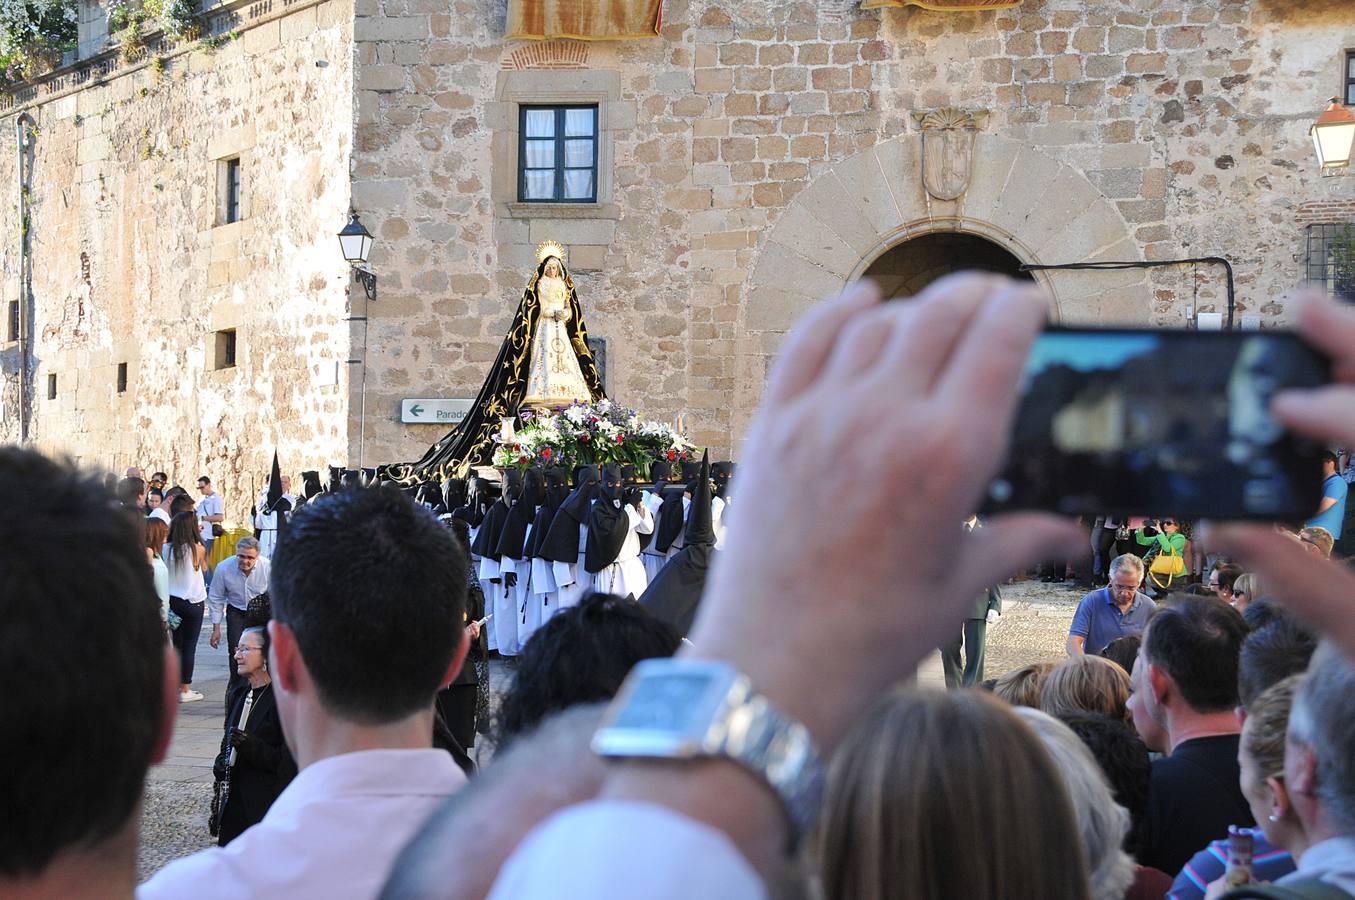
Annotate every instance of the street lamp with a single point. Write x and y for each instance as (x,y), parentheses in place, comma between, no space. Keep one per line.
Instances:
(356,242)
(1334,136)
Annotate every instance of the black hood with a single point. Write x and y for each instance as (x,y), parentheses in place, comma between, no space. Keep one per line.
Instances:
(529,492)
(562,540)
(310,485)
(608,523)
(660,474)
(454,493)
(675,593)
(722,473)
(555,494)
(335,478)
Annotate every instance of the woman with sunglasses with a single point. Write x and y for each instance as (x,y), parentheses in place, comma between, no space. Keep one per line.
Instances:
(1167,571)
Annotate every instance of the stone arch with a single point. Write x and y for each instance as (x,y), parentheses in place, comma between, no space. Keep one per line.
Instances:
(1039,209)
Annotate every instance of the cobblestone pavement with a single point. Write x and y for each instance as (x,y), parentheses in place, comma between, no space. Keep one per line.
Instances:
(1033,627)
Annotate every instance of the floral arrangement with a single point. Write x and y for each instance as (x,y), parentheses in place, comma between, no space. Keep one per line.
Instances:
(588,434)
(33,34)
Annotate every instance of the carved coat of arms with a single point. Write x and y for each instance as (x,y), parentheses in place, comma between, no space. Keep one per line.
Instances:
(948,149)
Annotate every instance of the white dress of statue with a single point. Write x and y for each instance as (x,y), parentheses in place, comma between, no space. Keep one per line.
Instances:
(554,378)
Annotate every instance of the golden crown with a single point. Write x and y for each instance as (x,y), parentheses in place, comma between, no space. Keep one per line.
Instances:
(548,249)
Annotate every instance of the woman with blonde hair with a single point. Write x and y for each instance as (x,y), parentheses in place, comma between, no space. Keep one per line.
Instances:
(1246,589)
(1087,684)
(1023,686)
(933,796)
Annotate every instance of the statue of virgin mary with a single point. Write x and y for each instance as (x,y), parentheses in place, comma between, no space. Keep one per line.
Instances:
(544,361)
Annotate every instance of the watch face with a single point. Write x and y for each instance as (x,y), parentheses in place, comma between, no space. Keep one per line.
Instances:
(667,703)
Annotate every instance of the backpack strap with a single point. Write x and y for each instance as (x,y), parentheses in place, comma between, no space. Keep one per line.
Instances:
(1307,889)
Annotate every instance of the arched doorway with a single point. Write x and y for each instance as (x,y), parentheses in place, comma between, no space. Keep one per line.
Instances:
(905,269)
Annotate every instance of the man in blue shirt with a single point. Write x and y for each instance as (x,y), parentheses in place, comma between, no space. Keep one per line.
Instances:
(1332,512)
(1116,610)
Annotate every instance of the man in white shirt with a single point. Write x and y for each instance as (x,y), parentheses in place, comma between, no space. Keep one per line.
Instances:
(211,511)
(235,582)
(368,595)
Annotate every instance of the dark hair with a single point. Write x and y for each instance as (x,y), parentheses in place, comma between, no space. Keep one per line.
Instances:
(1228,574)
(183,534)
(1123,757)
(460,529)
(1261,612)
(1123,650)
(163,476)
(181,503)
(154,492)
(155,533)
(85,673)
(1271,654)
(175,491)
(202,478)
(581,655)
(130,490)
(1328,456)
(373,567)
(1196,640)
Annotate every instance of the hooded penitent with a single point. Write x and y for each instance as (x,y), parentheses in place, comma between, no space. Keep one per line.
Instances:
(556,492)
(520,516)
(660,474)
(562,541)
(675,593)
(335,479)
(310,485)
(454,493)
(722,473)
(491,529)
(608,523)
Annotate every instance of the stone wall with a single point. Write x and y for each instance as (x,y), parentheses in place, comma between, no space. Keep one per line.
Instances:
(753,159)
(764,152)
(131,265)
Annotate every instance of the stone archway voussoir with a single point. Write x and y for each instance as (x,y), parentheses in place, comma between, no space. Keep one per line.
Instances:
(900,162)
(863,182)
(840,211)
(1097,228)
(798,230)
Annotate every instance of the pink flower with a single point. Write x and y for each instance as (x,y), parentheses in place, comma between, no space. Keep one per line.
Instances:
(620,438)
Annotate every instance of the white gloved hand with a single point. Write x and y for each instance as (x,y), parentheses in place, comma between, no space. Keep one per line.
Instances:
(993,616)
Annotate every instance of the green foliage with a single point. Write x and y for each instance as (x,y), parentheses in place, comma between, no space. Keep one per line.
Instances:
(33,34)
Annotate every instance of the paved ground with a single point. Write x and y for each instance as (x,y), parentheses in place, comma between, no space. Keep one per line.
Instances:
(174,822)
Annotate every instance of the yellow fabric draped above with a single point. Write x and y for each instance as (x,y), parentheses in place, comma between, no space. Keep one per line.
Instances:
(943,5)
(584,20)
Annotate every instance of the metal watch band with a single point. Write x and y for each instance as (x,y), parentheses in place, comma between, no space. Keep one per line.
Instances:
(731,720)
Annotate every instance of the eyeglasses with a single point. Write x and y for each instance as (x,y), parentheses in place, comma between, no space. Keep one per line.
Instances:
(1124,588)
(246,648)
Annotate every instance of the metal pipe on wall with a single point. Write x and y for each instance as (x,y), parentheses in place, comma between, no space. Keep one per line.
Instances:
(24,127)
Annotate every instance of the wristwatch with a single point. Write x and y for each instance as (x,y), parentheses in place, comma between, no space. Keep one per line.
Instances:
(697,709)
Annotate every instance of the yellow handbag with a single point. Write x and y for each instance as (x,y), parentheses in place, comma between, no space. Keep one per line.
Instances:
(1166,567)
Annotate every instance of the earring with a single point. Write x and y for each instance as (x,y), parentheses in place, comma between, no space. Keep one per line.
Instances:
(1272,817)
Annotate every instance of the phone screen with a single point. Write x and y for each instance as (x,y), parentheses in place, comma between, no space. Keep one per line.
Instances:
(1151,421)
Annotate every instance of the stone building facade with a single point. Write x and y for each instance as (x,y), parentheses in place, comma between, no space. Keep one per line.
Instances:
(751,160)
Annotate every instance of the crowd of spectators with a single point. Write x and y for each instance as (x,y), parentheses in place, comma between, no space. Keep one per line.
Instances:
(1077,779)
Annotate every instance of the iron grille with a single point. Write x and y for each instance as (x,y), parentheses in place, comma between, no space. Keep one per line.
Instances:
(1331,259)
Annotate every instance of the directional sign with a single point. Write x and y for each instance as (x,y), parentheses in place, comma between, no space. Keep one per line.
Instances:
(434,411)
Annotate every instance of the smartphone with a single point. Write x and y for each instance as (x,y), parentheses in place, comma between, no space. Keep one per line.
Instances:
(1127,422)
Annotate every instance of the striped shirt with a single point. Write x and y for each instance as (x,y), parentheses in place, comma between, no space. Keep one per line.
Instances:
(1268,864)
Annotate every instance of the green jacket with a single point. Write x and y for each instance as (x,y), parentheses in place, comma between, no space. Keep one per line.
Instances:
(1167,545)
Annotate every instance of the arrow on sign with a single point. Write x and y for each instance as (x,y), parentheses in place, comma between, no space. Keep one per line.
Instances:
(416,410)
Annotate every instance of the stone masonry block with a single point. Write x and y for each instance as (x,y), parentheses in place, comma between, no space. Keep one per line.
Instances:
(390,28)
(381,78)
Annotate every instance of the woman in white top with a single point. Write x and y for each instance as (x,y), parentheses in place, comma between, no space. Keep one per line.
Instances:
(156,533)
(186,557)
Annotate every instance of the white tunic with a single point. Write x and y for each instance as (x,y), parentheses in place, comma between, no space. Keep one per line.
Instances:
(626,576)
(572,580)
(489,569)
(653,560)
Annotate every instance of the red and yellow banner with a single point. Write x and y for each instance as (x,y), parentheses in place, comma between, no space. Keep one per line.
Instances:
(583,20)
(943,5)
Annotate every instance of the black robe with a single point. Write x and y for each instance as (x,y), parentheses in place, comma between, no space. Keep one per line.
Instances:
(555,495)
(263,765)
(562,541)
(513,539)
(471,442)
(608,523)
(486,543)
(675,593)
